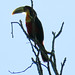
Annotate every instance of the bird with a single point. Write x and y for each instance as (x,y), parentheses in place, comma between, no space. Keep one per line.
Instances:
(33,25)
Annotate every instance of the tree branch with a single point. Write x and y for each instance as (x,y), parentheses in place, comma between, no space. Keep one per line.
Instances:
(53,63)
(52,58)
(32,3)
(60,30)
(62,65)
(21,71)
(38,64)
(48,68)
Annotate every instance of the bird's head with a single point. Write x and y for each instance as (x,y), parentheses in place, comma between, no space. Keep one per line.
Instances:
(27,9)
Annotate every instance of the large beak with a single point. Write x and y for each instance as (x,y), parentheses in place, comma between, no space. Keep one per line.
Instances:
(18,10)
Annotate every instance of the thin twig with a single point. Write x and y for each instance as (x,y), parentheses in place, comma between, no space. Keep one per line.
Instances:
(32,3)
(60,30)
(62,65)
(53,63)
(21,25)
(21,71)
(12,28)
(32,48)
(54,68)
(38,64)
(41,63)
(48,68)
(40,70)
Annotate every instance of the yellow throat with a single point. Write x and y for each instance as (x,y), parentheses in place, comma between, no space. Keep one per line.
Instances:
(28,17)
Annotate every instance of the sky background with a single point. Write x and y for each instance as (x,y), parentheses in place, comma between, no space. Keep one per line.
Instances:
(16,53)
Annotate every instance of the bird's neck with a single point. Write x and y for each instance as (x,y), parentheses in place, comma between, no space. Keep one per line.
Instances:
(28,18)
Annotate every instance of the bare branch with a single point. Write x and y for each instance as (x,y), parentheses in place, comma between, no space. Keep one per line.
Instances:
(40,70)
(53,42)
(32,48)
(42,49)
(21,71)
(48,68)
(52,59)
(54,68)
(62,65)
(12,28)
(38,64)
(21,25)
(60,30)
(32,3)
(53,63)
(55,36)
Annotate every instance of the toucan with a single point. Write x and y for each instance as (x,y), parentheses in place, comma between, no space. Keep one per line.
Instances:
(33,25)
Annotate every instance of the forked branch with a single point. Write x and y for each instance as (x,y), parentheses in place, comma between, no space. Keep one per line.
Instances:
(38,63)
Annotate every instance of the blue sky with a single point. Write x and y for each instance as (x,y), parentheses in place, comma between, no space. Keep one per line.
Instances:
(16,53)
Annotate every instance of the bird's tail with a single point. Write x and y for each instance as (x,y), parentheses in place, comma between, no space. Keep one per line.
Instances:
(44,54)
(44,58)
